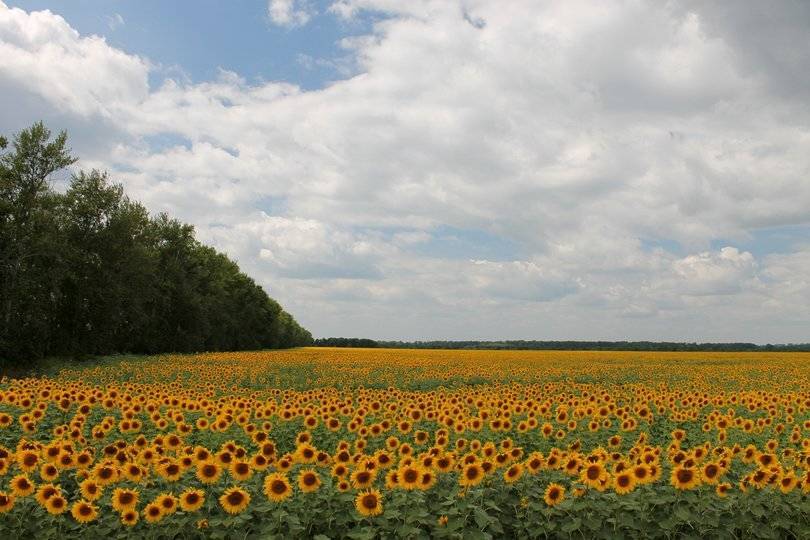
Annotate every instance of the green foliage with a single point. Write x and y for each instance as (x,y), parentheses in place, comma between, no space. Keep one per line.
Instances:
(345,342)
(88,271)
(534,345)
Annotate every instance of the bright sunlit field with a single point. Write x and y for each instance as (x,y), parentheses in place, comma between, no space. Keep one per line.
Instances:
(365,443)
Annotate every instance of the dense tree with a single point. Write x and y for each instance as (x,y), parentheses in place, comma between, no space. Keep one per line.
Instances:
(88,271)
(593,345)
(345,342)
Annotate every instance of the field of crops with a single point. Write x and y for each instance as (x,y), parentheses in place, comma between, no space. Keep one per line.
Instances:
(365,443)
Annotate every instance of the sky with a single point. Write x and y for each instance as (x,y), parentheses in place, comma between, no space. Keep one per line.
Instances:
(455,169)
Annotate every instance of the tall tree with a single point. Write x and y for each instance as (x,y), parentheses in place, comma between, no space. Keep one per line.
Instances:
(88,271)
(29,244)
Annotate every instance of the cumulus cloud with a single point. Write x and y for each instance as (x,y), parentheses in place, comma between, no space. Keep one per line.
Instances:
(626,150)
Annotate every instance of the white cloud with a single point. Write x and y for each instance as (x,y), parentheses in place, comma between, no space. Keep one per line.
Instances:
(115,21)
(290,13)
(43,55)
(613,143)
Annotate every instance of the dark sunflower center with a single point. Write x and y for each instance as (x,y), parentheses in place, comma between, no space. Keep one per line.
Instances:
(278,487)
(370,501)
(235,498)
(685,475)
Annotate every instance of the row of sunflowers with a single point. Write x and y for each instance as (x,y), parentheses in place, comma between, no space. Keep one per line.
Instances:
(396,443)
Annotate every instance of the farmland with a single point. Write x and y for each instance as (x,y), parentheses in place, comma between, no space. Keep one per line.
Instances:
(365,443)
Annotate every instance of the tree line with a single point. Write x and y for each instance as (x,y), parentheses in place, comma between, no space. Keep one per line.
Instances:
(88,271)
(571,345)
(346,342)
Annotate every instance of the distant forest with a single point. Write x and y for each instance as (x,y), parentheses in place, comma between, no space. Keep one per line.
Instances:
(346,342)
(88,271)
(563,345)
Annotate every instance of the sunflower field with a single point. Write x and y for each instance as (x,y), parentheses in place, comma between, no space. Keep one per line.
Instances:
(382,443)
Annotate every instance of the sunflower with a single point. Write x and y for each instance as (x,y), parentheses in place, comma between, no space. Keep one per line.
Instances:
(787,482)
(641,473)
(240,470)
(208,472)
(259,462)
(383,459)
(535,462)
(171,471)
(90,489)
(191,500)
(21,486)
(471,475)
(513,473)
(554,495)
(684,478)
(234,500)
(361,479)
(124,499)
(369,503)
(27,460)
(167,503)
(722,489)
(45,492)
(710,473)
(129,518)
(49,472)
(133,472)
(343,486)
(624,482)
(427,480)
(201,453)
(409,476)
(152,513)
(84,512)
(56,504)
(105,474)
(391,479)
(594,475)
(339,470)
(308,481)
(6,502)
(305,453)
(445,462)
(277,487)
